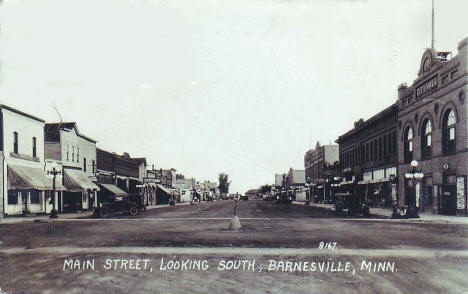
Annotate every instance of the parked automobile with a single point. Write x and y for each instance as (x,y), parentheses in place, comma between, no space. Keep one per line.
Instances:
(351,204)
(244,197)
(131,204)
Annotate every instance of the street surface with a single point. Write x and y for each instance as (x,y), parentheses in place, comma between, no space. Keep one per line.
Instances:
(414,256)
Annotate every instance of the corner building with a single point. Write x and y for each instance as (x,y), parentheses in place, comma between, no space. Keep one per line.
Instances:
(432,129)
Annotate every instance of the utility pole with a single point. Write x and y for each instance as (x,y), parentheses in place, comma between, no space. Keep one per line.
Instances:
(432,40)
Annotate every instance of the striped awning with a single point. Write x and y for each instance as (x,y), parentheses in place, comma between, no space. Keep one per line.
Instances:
(114,189)
(25,178)
(76,180)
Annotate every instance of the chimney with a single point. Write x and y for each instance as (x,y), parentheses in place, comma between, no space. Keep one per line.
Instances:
(401,90)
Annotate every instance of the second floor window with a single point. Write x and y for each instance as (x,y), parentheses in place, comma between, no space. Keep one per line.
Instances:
(34,151)
(408,147)
(77,154)
(73,153)
(426,139)
(15,142)
(448,132)
(68,152)
(94,166)
(84,163)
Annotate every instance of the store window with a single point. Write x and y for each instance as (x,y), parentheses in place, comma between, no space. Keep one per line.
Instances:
(426,139)
(34,196)
(408,145)
(12,197)
(449,132)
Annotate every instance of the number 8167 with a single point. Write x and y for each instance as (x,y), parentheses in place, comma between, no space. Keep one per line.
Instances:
(327,245)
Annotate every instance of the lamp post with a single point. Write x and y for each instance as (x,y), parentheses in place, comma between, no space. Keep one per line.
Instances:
(414,176)
(54,172)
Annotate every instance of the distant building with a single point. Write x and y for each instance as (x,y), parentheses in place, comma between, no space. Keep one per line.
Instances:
(295,177)
(279,180)
(321,167)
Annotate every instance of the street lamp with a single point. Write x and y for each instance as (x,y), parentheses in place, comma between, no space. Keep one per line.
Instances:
(54,172)
(414,176)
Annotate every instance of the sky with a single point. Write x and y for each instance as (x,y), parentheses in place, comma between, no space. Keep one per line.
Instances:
(210,86)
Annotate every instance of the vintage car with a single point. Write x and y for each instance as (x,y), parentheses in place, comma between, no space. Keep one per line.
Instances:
(351,204)
(244,197)
(124,204)
(114,200)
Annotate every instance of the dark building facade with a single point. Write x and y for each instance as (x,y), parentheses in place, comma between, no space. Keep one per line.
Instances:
(432,131)
(119,170)
(368,158)
(321,167)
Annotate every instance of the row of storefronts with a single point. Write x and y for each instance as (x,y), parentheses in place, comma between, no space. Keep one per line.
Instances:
(414,152)
(38,158)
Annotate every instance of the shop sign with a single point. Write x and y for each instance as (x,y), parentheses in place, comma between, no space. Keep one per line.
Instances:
(426,87)
(461,193)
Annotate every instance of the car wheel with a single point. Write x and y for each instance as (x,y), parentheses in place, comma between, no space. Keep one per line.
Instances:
(103,212)
(133,210)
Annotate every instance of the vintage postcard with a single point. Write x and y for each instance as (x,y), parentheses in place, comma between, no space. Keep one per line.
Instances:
(233,146)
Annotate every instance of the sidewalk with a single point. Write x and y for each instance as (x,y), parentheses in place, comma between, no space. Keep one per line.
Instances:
(19,219)
(84,214)
(387,213)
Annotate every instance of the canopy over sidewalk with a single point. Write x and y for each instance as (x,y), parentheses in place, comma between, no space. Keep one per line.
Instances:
(25,178)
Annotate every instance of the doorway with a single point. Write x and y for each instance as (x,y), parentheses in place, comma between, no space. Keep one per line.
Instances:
(448,195)
(24,201)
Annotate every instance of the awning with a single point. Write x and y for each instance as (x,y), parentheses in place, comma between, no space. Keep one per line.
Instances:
(76,180)
(166,190)
(346,183)
(24,178)
(114,189)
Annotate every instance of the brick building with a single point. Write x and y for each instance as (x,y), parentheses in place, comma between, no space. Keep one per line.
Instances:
(368,157)
(432,129)
(321,165)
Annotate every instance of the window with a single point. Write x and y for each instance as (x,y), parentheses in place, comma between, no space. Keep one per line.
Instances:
(34,195)
(394,143)
(84,163)
(94,166)
(448,132)
(380,149)
(12,197)
(34,153)
(68,152)
(73,153)
(426,139)
(77,154)
(408,145)
(15,142)
(376,155)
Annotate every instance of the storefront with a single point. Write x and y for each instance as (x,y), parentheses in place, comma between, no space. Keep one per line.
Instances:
(80,194)
(27,190)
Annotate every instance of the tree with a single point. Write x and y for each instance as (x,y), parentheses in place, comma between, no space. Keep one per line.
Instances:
(223,183)
(265,189)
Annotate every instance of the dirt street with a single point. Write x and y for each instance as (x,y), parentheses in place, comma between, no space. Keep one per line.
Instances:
(283,241)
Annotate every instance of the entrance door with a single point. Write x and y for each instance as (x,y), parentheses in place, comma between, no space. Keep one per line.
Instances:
(24,201)
(448,200)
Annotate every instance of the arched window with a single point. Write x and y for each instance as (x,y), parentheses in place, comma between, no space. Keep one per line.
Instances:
(448,132)
(426,139)
(408,144)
